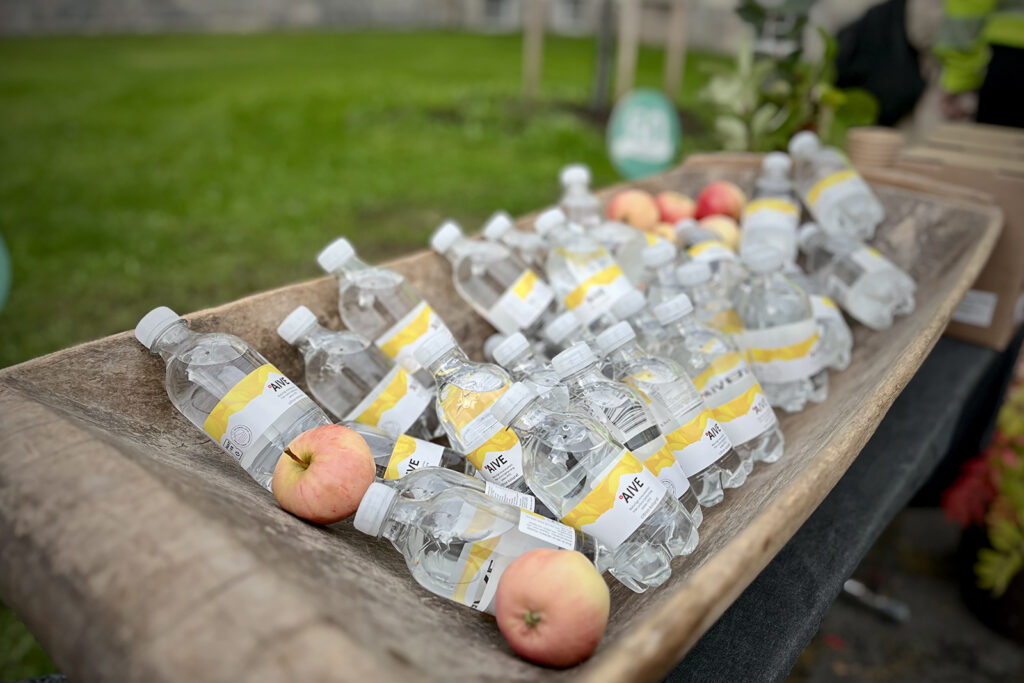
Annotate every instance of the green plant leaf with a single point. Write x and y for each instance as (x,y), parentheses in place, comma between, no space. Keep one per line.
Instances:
(995,570)
(732,132)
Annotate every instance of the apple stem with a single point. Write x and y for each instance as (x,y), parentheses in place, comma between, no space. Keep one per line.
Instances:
(294,457)
(531,618)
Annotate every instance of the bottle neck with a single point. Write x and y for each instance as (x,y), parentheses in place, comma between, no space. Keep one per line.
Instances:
(453,360)
(396,520)
(176,337)
(352,265)
(523,364)
(587,375)
(456,249)
(630,351)
(686,325)
(312,338)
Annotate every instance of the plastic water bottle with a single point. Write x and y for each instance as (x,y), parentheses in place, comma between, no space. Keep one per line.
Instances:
(529,246)
(563,331)
(458,542)
(228,390)
(380,304)
(427,482)
(659,276)
(517,356)
(626,245)
(578,203)
(693,434)
(689,233)
(466,391)
(780,334)
(497,284)
(726,270)
(355,381)
(634,309)
(772,217)
(868,286)
(582,272)
(598,486)
(400,456)
(832,190)
(726,382)
(710,306)
(628,419)
(836,337)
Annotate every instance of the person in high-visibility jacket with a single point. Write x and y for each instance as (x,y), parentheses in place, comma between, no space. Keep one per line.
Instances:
(981,45)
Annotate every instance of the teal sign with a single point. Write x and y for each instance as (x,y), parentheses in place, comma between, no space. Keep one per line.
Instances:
(643,134)
(5,273)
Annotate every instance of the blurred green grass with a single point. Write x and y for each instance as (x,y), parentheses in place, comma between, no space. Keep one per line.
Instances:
(192,170)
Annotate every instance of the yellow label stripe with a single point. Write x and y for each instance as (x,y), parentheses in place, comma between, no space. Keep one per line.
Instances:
(404,447)
(416,328)
(827,182)
(602,498)
(525,285)
(607,276)
(237,398)
(780,205)
(395,391)
(790,352)
(737,407)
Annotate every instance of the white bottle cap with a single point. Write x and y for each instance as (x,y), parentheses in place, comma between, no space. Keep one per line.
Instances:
(548,221)
(804,144)
(629,304)
(512,402)
(438,343)
(673,309)
(153,325)
(808,231)
(447,234)
(574,174)
(573,359)
(497,225)
(492,343)
(562,327)
(335,254)
(776,164)
(297,322)
(658,254)
(693,273)
(761,258)
(509,350)
(374,508)
(615,336)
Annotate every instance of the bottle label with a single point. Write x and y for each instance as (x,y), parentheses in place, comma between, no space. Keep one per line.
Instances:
(727,321)
(411,454)
(711,251)
(500,458)
(834,188)
(501,494)
(522,305)
(625,496)
(597,294)
(249,409)
(666,467)
(871,260)
(770,211)
(786,353)
(699,443)
(735,398)
(548,530)
(403,338)
(394,404)
(825,309)
(493,450)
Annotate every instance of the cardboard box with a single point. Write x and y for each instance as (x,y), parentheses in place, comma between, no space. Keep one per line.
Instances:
(994,307)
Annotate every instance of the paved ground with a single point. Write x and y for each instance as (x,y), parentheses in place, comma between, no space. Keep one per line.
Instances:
(915,562)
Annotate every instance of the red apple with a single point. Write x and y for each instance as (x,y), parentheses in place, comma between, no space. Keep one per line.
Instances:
(725,227)
(552,606)
(674,206)
(635,207)
(323,474)
(720,197)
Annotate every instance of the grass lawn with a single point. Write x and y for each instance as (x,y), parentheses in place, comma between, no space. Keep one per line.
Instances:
(191,170)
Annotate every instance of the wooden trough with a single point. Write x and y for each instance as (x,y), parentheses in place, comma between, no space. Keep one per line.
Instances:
(135,549)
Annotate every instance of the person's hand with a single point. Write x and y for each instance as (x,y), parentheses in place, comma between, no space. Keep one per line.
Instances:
(959,106)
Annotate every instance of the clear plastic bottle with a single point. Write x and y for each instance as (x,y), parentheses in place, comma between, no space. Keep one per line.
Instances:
(578,203)
(689,233)
(626,245)
(780,333)
(565,330)
(868,286)
(529,246)
(596,485)
(711,307)
(628,419)
(400,456)
(497,284)
(355,381)
(380,304)
(693,434)
(458,542)
(427,482)
(832,190)
(634,309)
(836,337)
(466,391)
(228,390)
(659,281)
(582,272)
(726,270)
(517,356)
(773,216)
(726,382)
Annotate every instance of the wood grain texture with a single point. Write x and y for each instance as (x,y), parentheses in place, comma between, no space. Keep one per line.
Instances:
(137,550)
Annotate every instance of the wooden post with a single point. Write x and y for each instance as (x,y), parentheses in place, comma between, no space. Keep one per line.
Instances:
(675,48)
(603,56)
(629,38)
(533,46)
